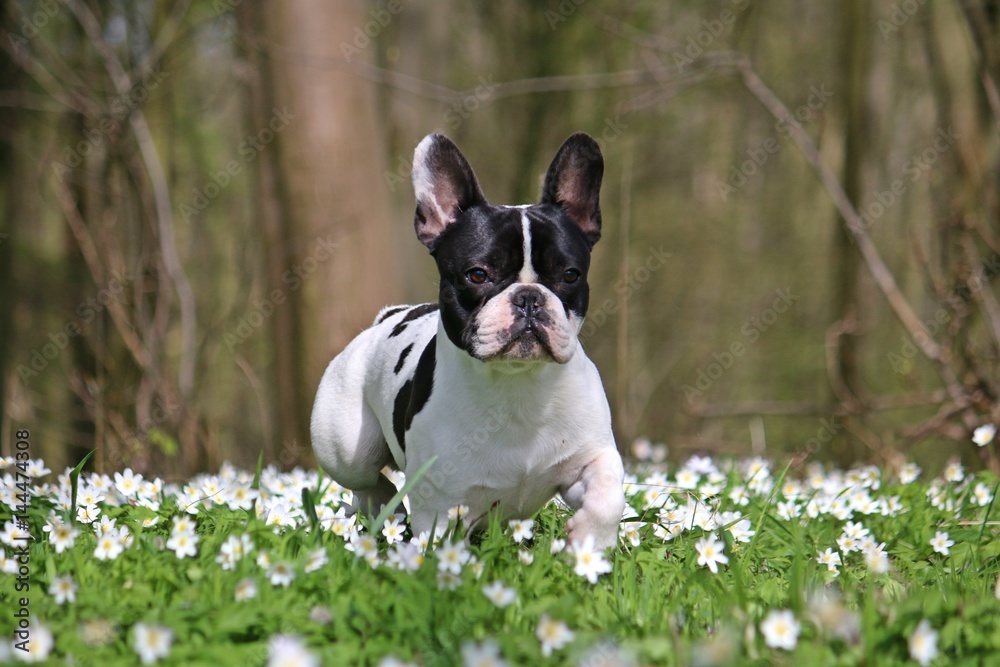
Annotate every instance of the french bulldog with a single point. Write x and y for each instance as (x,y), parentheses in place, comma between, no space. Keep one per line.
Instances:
(491,382)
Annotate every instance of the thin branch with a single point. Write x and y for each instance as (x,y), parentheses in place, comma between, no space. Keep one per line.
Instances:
(876,265)
(979,285)
(51,85)
(92,258)
(161,194)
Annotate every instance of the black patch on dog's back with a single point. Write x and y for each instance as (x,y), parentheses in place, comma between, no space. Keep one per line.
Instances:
(389,313)
(418,311)
(402,359)
(414,393)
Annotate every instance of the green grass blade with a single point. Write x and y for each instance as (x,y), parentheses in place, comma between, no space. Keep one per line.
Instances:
(398,498)
(74,478)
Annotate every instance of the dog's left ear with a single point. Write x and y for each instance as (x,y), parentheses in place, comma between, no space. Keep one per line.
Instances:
(445,186)
(573,182)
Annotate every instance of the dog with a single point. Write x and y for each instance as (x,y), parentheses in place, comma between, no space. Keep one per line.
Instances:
(491,382)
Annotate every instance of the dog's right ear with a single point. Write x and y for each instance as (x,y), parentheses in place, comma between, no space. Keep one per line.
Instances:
(444,184)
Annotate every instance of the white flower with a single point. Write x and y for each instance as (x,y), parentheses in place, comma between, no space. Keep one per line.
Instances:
(941,543)
(710,552)
(288,651)
(151,642)
(233,550)
(183,544)
(458,512)
(855,530)
(281,574)
(62,536)
(780,629)
(393,529)
(448,581)
(184,524)
(317,559)
(982,494)
(36,468)
(452,556)
(590,562)
(407,556)
(629,531)
(525,556)
(109,547)
(499,594)
(127,482)
(246,589)
(557,546)
(241,497)
(365,547)
(63,589)
(954,472)
(741,530)
(553,634)
(12,535)
(830,558)
(909,473)
(847,544)
(393,661)
(984,435)
(521,529)
(40,643)
(923,643)
(876,559)
(485,654)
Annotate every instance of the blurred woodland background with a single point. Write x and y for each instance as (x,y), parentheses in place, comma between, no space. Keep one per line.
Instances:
(202,201)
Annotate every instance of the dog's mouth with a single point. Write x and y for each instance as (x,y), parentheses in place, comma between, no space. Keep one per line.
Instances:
(528,343)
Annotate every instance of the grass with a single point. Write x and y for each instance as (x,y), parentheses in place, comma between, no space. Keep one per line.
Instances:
(656,606)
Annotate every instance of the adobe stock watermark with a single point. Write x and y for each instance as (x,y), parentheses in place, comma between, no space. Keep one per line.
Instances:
(712,29)
(118,110)
(759,155)
(918,166)
(901,361)
(458,113)
(248,150)
(624,289)
(899,15)
(263,309)
(87,311)
(35,23)
(753,328)
(364,35)
(562,12)
(828,429)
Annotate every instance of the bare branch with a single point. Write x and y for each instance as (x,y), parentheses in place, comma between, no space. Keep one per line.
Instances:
(161,194)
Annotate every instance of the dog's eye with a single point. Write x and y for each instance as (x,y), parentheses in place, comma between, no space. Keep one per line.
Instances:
(571,275)
(477,276)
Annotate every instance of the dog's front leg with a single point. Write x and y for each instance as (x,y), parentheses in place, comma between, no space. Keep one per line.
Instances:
(598,498)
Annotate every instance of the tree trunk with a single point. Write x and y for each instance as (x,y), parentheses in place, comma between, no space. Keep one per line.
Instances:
(333,232)
(854,56)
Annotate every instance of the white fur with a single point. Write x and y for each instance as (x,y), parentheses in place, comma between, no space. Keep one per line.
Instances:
(527,273)
(508,432)
(497,316)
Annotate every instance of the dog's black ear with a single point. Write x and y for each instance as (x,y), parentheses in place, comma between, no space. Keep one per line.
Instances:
(444,184)
(574,183)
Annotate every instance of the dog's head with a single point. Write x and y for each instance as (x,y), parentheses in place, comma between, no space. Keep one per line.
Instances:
(513,278)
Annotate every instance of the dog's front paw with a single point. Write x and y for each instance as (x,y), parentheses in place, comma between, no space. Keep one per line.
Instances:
(583,524)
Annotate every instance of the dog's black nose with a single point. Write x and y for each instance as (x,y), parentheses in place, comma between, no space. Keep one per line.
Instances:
(528,301)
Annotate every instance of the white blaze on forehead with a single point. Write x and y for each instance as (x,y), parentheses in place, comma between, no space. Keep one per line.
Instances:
(527,273)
